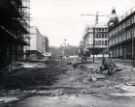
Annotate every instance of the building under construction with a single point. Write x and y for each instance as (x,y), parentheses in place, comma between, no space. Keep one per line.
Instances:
(96,40)
(14,30)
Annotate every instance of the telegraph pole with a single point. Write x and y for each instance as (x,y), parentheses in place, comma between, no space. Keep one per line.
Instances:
(96,22)
(93,44)
(133,51)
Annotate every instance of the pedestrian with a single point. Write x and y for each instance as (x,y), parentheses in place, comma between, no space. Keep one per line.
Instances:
(103,61)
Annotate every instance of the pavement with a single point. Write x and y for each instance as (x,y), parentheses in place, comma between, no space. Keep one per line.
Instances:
(81,86)
(124,62)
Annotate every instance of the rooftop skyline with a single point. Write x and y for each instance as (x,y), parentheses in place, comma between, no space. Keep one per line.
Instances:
(61,19)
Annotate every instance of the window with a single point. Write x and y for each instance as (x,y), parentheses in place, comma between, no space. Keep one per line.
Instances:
(124,36)
(128,35)
(113,31)
(96,42)
(134,18)
(118,28)
(128,22)
(121,51)
(111,43)
(100,42)
(106,42)
(122,26)
(99,29)
(120,38)
(96,35)
(106,29)
(109,34)
(99,35)
(96,29)
(103,29)
(114,41)
(103,35)
(131,33)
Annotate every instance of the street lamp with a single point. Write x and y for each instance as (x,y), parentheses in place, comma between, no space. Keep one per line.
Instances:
(133,51)
(110,54)
(93,43)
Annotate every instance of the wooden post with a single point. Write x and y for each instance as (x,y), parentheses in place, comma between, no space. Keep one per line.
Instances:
(60,63)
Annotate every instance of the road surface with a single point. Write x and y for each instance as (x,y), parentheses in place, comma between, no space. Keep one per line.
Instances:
(82,86)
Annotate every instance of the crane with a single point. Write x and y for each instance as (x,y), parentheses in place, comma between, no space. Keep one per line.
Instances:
(97,16)
(96,22)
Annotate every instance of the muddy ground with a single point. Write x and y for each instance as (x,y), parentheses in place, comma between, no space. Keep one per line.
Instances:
(44,85)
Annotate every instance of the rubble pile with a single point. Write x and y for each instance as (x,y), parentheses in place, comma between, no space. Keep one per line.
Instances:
(82,75)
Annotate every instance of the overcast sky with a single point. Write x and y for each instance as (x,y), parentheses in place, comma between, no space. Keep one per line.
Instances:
(61,19)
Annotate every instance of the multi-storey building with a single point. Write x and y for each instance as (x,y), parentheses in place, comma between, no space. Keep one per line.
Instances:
(88,39)
(96,39)
(121,36)
(38,42)
(81,48)
(14,26)
(46,44)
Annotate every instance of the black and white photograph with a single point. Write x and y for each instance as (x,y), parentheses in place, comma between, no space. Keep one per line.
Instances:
(67,53)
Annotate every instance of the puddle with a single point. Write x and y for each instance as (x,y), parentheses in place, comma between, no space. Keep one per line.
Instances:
(8,99)
(123,94)
(75,100)
(57,101)
(37,65)
(128,88)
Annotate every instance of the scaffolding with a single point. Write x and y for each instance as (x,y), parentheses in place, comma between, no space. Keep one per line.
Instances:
(14,29)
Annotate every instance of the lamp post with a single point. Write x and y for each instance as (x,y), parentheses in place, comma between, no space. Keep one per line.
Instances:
(110,54)
(133,51)
(64,47)
(93,43)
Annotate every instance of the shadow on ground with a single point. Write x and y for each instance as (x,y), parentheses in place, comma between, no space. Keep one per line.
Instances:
(31,77)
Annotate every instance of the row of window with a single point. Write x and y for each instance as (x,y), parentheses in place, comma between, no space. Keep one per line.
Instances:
(99,42)
(101,29)
(120,51)
(122,37)
(123,25)
(101,35)
(117,52)
(98,29)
